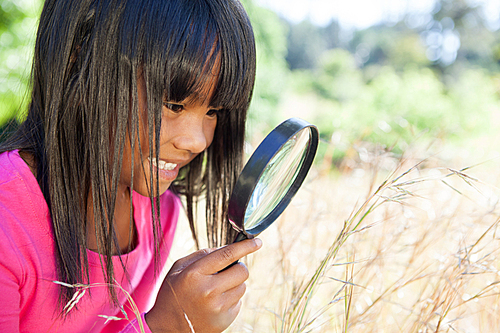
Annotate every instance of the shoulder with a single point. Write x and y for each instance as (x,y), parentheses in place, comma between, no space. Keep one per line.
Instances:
(24,214)
(8,166)
(20,196)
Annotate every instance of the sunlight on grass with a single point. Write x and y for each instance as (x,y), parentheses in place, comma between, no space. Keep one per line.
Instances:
(402,244)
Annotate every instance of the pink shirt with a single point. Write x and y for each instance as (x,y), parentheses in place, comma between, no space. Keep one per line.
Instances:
(28,295)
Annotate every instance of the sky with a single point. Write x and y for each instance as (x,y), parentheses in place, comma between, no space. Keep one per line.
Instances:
(364,13)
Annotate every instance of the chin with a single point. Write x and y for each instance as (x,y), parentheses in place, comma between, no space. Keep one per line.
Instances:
(163,189)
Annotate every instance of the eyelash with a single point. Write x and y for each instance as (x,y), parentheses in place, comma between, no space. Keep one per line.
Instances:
(213,113)
(174,107)
(177,108)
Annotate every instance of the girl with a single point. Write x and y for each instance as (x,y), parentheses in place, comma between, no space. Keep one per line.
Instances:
(134,103)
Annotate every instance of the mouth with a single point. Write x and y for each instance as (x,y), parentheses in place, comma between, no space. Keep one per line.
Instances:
(162,165)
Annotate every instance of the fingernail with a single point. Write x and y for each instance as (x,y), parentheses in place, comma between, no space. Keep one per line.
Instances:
(258,242)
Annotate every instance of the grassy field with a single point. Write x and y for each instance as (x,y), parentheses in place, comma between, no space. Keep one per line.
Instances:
(383,244)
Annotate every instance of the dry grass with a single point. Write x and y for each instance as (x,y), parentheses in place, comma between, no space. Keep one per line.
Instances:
(390,246)
(386,245)
(81,290)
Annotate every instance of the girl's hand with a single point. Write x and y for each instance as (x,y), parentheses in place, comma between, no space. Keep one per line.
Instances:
(193,287)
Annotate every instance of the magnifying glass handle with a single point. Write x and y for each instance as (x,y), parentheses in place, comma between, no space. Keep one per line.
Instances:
(241,236)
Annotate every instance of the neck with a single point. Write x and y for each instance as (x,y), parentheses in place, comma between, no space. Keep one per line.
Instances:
(123,224)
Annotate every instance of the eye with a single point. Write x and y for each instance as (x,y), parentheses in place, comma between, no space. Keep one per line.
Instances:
(213,113)
(174,107)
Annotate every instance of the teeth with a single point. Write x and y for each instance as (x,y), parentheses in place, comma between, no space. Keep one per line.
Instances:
(163,165)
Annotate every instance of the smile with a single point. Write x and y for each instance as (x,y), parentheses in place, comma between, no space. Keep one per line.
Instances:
(162,164)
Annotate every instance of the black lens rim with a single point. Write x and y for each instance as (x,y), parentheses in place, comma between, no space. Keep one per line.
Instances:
(256,165)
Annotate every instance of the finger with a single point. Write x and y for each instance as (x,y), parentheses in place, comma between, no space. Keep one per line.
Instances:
(233,276)
(184,262)
(235,309)
(231,304)
(221,258)
(234,295)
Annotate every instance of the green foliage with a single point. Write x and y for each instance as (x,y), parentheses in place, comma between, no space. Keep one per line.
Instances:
(17,31)
(407,49)
(338,77)
(475,101)
(272,71)
(422,78)
(305,42)
(395,107)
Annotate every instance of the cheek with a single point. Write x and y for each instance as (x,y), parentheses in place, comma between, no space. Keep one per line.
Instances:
(165,131)
(209,131)
(141,152)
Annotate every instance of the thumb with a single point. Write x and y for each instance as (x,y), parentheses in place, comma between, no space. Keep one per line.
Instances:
(222,257)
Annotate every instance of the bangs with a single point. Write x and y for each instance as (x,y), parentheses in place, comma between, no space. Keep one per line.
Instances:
(211,43)
(193,71)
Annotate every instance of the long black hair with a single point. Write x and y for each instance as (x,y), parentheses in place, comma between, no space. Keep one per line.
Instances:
(84,109)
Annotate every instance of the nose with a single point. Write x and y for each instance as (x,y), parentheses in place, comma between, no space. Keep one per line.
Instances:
(191,135)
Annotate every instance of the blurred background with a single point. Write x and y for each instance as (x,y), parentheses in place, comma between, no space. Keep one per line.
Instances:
(381,72)
(387,73)
(18,21)
(384,72)
(396,227)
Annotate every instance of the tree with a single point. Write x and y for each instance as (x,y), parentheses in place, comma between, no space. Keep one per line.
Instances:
(272,72)
(305,43)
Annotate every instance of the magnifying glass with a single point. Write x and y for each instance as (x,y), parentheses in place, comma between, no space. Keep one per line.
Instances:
(271,177)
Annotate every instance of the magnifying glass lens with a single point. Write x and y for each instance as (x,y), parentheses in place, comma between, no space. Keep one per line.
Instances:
(277,177)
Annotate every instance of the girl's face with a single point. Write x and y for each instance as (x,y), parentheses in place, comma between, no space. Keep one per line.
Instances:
(187,129)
